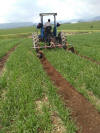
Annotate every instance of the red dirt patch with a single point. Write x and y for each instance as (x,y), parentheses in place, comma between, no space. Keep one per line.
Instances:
(83,112)
(5,57)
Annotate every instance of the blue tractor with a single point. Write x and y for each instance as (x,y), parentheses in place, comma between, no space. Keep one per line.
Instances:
(49,35)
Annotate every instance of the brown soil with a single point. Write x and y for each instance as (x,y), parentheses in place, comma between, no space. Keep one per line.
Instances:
(83,112)
(5,57)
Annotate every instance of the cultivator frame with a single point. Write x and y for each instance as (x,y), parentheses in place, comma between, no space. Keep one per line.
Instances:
(53,43)
(37,47)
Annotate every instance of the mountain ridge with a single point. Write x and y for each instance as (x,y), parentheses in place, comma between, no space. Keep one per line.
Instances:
(15,25)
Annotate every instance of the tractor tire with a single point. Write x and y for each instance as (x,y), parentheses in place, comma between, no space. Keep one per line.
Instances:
(62,39)
(35,39)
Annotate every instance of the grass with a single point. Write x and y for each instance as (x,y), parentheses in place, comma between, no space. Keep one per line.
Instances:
(6,45)
(23,83)
(16,33)
(82,74)
(88,44)
(81,26)
(16,30)
(15,36)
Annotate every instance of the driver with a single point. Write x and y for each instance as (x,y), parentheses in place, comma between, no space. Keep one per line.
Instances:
(47,24)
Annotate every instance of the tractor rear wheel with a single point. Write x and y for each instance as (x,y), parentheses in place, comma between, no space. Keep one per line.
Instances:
(62,39)
(35,40)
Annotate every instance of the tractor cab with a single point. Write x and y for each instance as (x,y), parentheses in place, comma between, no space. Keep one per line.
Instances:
(49,31)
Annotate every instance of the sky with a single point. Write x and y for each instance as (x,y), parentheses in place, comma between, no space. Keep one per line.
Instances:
(28,10)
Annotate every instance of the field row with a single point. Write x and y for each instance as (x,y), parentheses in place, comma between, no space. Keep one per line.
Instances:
(6,45)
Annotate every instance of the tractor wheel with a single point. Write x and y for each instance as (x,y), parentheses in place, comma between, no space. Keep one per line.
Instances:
(62,39)
(35,40)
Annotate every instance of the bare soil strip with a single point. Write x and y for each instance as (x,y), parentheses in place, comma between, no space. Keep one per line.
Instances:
(5,57)
(90,59)
(83,112)
(82,56)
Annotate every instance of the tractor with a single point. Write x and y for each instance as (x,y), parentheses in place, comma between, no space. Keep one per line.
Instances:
(48,35)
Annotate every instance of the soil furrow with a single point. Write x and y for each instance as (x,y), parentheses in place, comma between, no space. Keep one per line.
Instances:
(5,57)
(83,112)
(83,56)
(90,59)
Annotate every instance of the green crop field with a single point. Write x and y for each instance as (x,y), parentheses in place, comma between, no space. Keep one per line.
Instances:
(16,33)
(6,45)
(16,30)
(29,102)
(81,26)
(87,44)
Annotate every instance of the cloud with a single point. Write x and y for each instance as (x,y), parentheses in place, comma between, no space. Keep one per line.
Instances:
(5,8)
(28,10)
(67,9)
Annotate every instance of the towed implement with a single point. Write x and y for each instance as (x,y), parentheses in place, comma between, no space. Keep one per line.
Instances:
(49,38)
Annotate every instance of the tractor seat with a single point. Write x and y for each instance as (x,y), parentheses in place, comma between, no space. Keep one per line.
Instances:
(48,30)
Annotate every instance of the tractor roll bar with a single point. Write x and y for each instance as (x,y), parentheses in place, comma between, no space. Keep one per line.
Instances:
(46,14)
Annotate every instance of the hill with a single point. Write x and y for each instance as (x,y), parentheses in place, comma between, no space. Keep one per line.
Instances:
(15,25)
(81,26)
